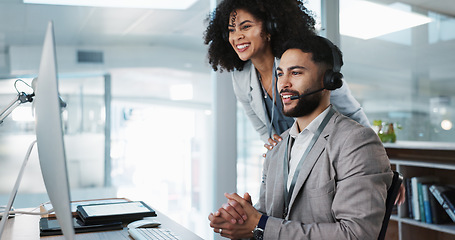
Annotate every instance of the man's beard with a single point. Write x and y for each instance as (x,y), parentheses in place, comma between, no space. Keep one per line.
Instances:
(305,105)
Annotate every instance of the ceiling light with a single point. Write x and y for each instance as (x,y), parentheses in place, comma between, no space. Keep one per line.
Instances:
(152,4)
(366,20)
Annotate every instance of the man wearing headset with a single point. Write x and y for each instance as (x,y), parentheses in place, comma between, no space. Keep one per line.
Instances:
(328,178)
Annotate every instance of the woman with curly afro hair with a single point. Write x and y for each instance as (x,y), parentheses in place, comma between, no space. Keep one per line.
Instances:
(245,38)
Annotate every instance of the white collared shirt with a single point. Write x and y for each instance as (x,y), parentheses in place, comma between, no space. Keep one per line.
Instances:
(302,141)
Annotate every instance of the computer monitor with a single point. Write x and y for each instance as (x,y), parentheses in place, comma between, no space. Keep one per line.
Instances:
(49,134)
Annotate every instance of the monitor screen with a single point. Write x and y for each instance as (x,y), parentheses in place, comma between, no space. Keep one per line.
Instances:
(49,134)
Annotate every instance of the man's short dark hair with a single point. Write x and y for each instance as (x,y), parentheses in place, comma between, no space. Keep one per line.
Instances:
(319,47)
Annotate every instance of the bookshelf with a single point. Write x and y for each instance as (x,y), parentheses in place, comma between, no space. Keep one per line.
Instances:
(415,159)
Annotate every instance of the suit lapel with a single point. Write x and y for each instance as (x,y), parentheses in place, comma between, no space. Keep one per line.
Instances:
(278,195)
(313,156)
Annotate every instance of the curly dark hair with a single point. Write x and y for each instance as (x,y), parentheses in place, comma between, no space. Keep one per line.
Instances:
(290,17)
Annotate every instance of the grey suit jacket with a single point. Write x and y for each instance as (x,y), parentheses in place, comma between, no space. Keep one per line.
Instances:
(341,189)
(249,92)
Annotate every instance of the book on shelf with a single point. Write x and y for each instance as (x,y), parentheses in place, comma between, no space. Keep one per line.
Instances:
(45,207)
(408,200)
(420,199)
(446,198)
(418,211)
(438,214)
(426,204)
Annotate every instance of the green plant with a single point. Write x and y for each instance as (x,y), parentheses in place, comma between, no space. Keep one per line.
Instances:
(386,130)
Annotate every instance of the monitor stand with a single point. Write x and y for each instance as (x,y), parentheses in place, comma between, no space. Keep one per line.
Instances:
(15,189)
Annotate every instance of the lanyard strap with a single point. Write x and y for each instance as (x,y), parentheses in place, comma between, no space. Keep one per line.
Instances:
(274,80)
(288,194)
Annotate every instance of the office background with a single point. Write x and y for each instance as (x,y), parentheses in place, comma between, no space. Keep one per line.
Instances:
(145,116)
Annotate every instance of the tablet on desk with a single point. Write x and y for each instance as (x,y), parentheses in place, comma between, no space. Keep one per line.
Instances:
(114,212)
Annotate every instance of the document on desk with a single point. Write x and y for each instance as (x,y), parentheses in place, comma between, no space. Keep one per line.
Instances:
(108,235)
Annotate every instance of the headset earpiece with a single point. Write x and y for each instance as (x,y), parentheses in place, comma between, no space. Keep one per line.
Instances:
(271,26)
(333,77)
(332,80)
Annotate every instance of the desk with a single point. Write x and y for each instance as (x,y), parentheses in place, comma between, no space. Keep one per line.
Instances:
(26,227)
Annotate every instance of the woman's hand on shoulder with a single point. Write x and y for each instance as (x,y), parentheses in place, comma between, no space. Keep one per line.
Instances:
(272,143)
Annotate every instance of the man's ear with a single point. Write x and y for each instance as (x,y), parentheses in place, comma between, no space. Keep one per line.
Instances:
(321,77)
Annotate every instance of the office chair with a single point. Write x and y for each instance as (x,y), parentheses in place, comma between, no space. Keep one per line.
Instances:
(390,202)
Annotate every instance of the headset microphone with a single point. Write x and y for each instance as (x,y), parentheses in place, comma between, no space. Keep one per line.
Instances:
(306,94)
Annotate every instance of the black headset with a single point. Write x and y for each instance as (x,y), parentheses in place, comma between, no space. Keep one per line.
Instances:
(271,26)
(332,77)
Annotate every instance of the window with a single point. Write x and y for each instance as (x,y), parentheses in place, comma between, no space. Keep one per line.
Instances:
(161,142)
(403,76)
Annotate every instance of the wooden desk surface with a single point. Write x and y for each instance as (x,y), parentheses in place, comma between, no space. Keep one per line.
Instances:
(26,227)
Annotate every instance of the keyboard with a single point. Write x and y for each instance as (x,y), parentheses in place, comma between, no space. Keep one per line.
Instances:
(151,234)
